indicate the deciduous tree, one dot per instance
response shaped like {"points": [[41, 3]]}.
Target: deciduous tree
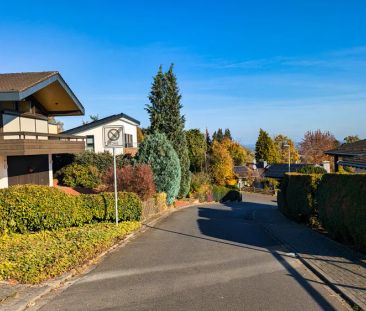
{"points": [[197, 148], [351, 139], [221, 164], [280, 142], [314, 144]]}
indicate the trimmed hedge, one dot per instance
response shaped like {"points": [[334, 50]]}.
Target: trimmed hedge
{"points": [[76, 175], [224, 194], [296, 197], [342, 207], [33, 208], [35, 257], [102, 206]]}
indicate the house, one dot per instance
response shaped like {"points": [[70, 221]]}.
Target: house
{"points": [[278, 171], [248, 174], [94, 133], [352, 155], [27, 140]]}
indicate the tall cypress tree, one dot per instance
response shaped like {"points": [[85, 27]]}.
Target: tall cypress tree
{"points": [[265, 148], [165, 117], [227, 134]]}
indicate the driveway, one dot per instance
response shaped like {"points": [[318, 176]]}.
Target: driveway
{"points": [[209, 257]]}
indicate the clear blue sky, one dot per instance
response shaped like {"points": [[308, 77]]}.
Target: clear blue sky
{"points": [[285, 66]]}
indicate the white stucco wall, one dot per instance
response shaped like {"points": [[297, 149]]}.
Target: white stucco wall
{"points": [[97, 132], [3, 172]]}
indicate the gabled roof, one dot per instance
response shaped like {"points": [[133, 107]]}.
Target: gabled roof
{"points": [[47, 87], [357, 148], [100, 122], [279, 170], [244, 171]]}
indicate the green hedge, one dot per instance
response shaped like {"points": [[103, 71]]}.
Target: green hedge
{"points": [[296, 197], [224, 194], [35, 257], [76, 175], [342, 207], [102, 206], [34, 208]]}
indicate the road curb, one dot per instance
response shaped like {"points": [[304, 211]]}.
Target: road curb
{"points": [[72, 276], [348, 297]]}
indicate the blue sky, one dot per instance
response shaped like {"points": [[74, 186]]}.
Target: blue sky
{"points": [[285, 66]]}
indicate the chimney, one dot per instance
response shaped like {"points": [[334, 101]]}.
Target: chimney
{"points": [[326, 166], [262, 164]]}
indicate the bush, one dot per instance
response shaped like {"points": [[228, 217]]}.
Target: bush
{"points": [[198, 180], [232, 195], [156, 151], [76, 175], [270, 184], [102, 160], [138, 179], [342, 207], [102, 207], [154, 205], [35, 257], [224, 194], [311, 169], [34, 208], [296, 198]]}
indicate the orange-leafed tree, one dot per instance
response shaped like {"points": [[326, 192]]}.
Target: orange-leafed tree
{"points": [[222, 165], [314, 144], [280, 142]]}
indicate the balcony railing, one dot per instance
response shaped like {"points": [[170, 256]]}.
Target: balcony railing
{"points": [[40, 136]]}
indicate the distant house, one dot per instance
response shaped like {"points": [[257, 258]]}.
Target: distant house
{"points": [[93, 132], [248, 174], [27, 139], [352, 155], [278, 171]]}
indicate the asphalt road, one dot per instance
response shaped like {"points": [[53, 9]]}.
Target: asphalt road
{"points": [[210, 257]]}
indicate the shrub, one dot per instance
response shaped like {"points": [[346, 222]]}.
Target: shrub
{"points": [[296, 198], [102, 207], [198, 180], [35, 257], [204, 193], [270, 183], [76, 175], [154, 205], [156, 151], [232, 195], [138, 179], [102, 160], [33, 208], [311, 169], [342, 207]]}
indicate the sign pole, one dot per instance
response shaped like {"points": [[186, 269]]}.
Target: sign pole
{"points": [[115, 184]]}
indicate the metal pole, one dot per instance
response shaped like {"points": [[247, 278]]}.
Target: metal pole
{"points": [[289, 159], [115, 184]]}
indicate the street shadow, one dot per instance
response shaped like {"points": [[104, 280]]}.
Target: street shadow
{"points": [[236, 223]]}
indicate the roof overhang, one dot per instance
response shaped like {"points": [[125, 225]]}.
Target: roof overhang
{"points": [[352, 164], [52, 93]]}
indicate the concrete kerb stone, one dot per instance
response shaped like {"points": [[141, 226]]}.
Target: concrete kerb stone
{"points": [[71, 277]]}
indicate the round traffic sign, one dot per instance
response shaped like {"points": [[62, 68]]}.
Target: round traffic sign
{"points": [[113, 134]]}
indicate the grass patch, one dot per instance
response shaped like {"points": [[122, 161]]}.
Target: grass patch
{"points": [[35, 257]]}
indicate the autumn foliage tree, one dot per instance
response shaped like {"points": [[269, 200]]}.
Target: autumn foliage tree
{"points": [[280, 142], [222, 164], [197, 147], [238, 153], [314, 144]]}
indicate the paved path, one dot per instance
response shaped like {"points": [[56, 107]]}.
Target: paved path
{"points": [[216, 257]]}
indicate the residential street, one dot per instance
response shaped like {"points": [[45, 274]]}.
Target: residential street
{"points": [[209, 257]]}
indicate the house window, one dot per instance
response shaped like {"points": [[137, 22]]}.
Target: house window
{"points": [[90, 142], [128, 141]]}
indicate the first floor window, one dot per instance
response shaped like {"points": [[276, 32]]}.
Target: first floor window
{"points": [[128, 140], [90, 142]]}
